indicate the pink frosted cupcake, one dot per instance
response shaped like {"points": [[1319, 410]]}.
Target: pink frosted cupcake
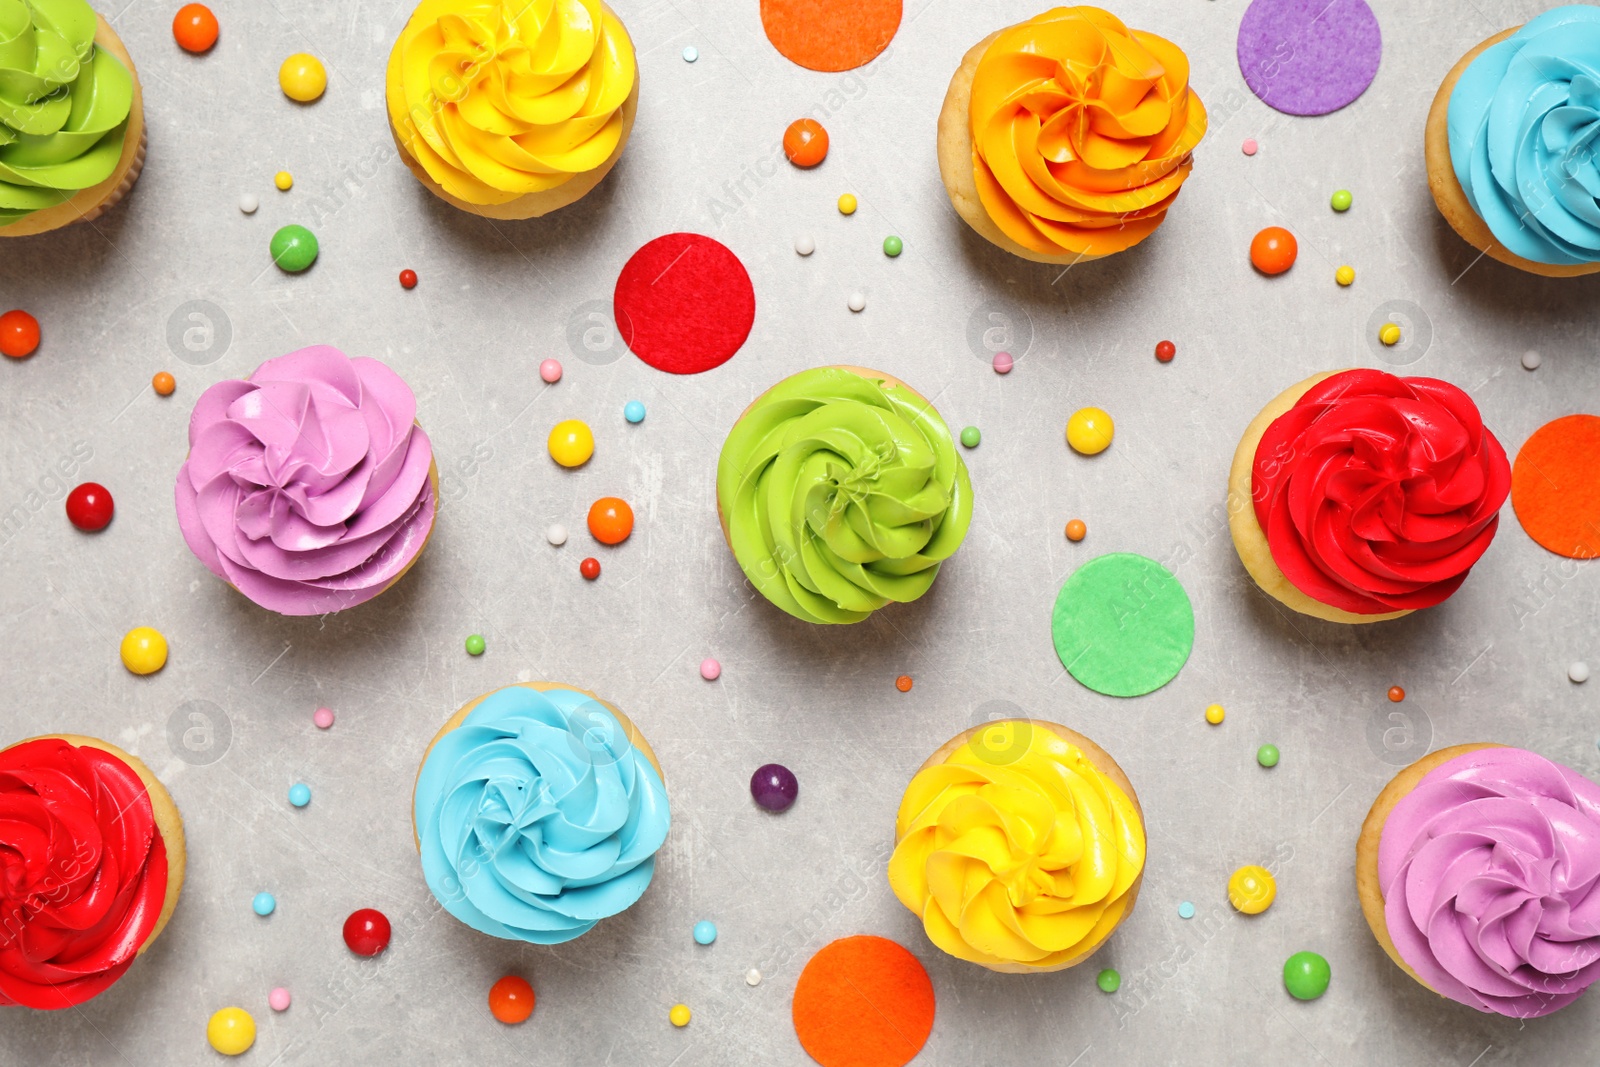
{"points": [[308, 487]]}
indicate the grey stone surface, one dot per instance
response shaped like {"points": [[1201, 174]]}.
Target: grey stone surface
{"points": [[496, 298]]}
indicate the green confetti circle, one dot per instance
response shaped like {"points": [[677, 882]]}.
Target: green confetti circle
{"points": [[1122, 625]]}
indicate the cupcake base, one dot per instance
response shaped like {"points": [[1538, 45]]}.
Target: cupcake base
{"points": [[1105, 765], [86, 205], [1367, 886], [1250, 540], [955, 162], [1452, 199]]}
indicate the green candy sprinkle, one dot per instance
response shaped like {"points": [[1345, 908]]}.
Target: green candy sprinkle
{"points": [[893, 246], [970, 437], [1342, 200], [1109, 980], [1306, 975], [294, 248], [1267, 755], [475, 645]]}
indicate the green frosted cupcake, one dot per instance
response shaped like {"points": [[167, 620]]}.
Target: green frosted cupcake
{"points": [[840, 490]]}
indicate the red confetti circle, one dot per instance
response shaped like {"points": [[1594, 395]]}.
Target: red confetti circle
{"points": [[684, 303]]}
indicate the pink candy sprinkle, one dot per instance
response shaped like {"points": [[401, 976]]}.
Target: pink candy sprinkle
{"points": [[323, 717], [550, 370], [1003, 363], [1249, 147], [278, 999], [710, 670]]}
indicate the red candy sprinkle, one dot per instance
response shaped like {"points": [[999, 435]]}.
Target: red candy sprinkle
{"points": [[590, 568], [19, 334], [367, 932], [195, 28], [89, 507], [1396, 694], [408, 279], [1165, 351], [511, 999]]}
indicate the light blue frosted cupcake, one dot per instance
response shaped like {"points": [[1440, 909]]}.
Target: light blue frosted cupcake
{"points": [[538, 810]]}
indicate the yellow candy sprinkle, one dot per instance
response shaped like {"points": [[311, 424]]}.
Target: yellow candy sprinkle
{"points": [[283, 180], [1345, 275], [1252, 889], [571, 443], [1214, 713], [1390, 333], [679, 1015], [231, 1031], [144, 651], [847, 204], [303, 77], [1089, 431]]}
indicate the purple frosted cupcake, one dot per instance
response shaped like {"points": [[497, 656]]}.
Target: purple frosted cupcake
{"points": [[308, 487]]}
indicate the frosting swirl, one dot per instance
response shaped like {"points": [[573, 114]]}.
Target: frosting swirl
{"points": [[1082, 131], [1016, 850], [308, 486], [537, 817], [840, 494], [1489, 870], [496, 99], [1523, 122], [1379, 493], [83, 872], [64, 105]]}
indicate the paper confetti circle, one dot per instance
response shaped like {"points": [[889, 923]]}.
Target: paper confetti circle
{"points": [[684, 303], [1123, 625], [1309, 57], [1555, 486]]}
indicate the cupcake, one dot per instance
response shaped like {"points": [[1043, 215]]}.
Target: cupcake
{"points": [[510, 109], [71, 116], [1066, 138], [1020, 845], [91, 864], [1477, 870], [308, 487], [538, 811], [1357, 496], [840, 491], [1510, 144]]}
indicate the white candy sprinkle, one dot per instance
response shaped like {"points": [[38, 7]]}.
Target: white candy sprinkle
{"points": [[1531, 359], [857, 302], [690, 53], [1578, 672], [804, 245], [248, 204], [752, 977], [557, 534]]}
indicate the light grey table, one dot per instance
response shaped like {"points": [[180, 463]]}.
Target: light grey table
{"points": [[495, 299]]}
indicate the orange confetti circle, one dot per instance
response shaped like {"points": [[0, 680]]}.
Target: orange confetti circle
{"points": [[1555, 486], [830, 35], [863, 1002]]}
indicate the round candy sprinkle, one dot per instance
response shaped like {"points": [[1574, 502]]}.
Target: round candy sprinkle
{"points": [[249, 203], [144, 650], [847, 204], [299, 794], [1267, 755], [511, 1000], [1089, 431], [302, 78], [710, 669], [1273, 250], [690, 53], [1578, 672], [571, 443], [294, 248], [752, 977], [893, 246], [264, 904], [1345, 276], [323, 717], [163, 383], [556, 535], [1108, 980], [475, 644], [1003, 362], [590, 569], [705, 932], [194, 27], [1186, 910], [283, 180], [774, 787], [1341, 200], [805, 245], [19, 334], [970, 436], [679, 1015], [858, 302], [550, 371], [1252, 889], [1076, 530], [1389, 334], [633, 411], [1250, 147], [904, 683], [610, 520], [805, 142], [1306, 975], [231, 1031], [1396, 694], [408, 279], [1215, 714], [1165, 350], [89, 507], [367, 932], [1531, 360], [278, 999]]}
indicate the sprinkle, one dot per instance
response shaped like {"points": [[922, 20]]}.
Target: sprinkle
{"points": [[858, 302], [1396, 694], [1076, 530], [556, 535], [408, 279], [752, 977], [1345, 276], [163, 383], [903, 683], [705, 932], [690, 53], [893, 246], [1578, 672], [249, 204], [633, 411], [278, 999], [710, 669], [1249, 147], [475, 644], [970, 436], [299, 794], [679, 1015], [805, 245], [1108, 980], [847, 204], [1186, 910], [264, 904], [323, 717], [1267, 755], [1389, 334], [1531, 360], [283, 180], [1165, 350], [1341, 200], [1214, 714], [1003, 363], [550, 371]]}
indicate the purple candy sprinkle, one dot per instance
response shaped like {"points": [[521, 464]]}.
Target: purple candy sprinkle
{"points": [[774, 787]]}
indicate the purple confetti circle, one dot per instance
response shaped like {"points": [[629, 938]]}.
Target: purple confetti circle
{"points": [[1309, 57]]}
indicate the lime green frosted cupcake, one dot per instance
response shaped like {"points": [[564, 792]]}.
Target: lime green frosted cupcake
{"points": [[840, 491], [72, 135]]}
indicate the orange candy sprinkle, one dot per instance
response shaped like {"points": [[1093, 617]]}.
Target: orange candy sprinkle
{"points": [[805, 142], [610, 520], [194, 28], [1274, 250], [1396, 694], [1076, 530], [163, 383], [511, 999], [19, 334], [903, 683]]}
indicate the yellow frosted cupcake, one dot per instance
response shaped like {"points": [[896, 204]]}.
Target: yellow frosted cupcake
{"points": [[1020, 844], [511, 109]]}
